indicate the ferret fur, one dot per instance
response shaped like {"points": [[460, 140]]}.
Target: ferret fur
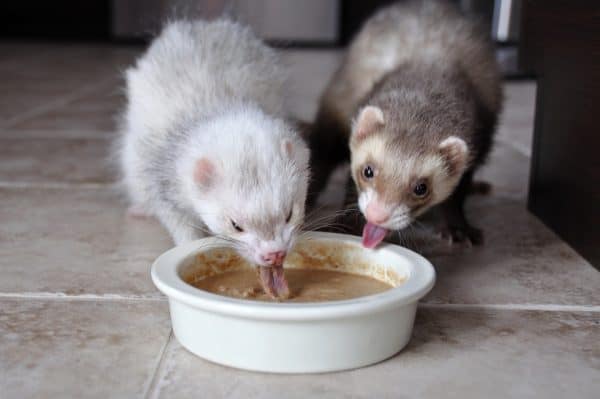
{"points": [[433, 74], [204, 142]]}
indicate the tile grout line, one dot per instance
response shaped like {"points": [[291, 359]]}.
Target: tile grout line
{"points": [[512, 306], [60, 296], [63, 100], [92, 135], [449, 306], [55, 185], [152, 384]]}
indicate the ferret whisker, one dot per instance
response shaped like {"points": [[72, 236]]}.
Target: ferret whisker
{"points": [[409, 238], [402, 240], [418, 224], [315, 209], [337, 226], [330, 216], [221, 237], [324, 221], [318, 226], [314, 225]]}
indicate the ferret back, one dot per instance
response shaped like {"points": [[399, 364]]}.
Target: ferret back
{"points": [[196, 69], [427, 32]]}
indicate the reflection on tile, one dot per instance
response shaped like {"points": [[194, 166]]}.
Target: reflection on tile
{"points": [[21, 95], [90, 115], [75, 241], [48, 161], [44, 78], [522, 261], [453, 354], [516, 122], [80, 349], [507, 170]]}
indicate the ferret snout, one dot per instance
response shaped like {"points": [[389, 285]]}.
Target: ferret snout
{"points": [[377, 213], [275, 258]]}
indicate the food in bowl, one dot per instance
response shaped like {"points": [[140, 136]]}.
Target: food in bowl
{"points": [[306, 285], [315, 274]]}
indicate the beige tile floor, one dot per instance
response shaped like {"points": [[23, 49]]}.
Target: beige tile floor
{"points": [[79, 316]]}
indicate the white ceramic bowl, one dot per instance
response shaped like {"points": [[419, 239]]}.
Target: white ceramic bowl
{"points": [[297, 337]]}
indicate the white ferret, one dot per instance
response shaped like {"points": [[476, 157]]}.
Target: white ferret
{"points": [[204, 146]]}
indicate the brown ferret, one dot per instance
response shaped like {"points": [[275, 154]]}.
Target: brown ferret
{"points": [[415, 102]]}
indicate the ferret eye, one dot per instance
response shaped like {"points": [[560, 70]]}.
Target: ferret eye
{"points": [[236, 226], [289, 216], [368, 172], [420, 189]]}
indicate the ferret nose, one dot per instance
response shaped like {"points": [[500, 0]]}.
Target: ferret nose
{"points": [[377, 214], [274, 258]]}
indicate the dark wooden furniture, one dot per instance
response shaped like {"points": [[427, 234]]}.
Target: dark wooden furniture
{"points": [[560, 44], [57, 19]]}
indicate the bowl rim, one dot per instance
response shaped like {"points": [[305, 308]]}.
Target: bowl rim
{"points": [[165, 276]]}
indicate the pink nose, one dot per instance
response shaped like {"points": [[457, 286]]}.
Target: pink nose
{"points": [[274, 258], [377, 214]]}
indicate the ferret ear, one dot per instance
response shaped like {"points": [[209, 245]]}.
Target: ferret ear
{"points": [[204, 173], [287, 148], [369, 120], [455, 153]]}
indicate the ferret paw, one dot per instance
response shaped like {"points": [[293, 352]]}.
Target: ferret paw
{"points": [[138, 211], [466, 235]]}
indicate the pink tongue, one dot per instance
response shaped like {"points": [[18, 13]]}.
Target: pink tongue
{"points": [[373, 235], [272, 279]]}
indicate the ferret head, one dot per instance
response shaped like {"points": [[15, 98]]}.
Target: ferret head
{"points": [[400, 176], [248, 184]]}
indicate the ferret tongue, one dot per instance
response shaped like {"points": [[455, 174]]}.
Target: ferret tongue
{"points": [[280, 283], [272, 279], [373, 235]]}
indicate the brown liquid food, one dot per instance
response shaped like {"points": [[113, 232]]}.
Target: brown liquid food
{"points": [[306, 285]]}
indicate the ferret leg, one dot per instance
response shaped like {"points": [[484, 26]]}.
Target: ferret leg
{"points": [[349, 220], [329, 148], [320, 170], [455, 226], [181, 230]]}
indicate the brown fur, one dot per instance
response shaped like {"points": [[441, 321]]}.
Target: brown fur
{"points": [[433, 74]]}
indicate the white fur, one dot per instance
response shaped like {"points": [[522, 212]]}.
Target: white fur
{"points": [[364, 198], [213, 90]]}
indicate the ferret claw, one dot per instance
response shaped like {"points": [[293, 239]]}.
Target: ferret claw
{"points": [[465, 235]]}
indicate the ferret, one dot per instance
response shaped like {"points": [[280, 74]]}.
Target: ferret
{"points": [[204, 145], [414, 106]]}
